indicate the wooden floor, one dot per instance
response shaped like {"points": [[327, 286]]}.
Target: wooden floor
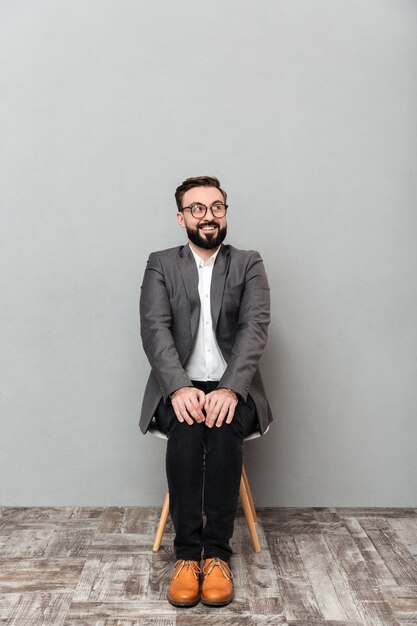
{"points": [[95, 566]]}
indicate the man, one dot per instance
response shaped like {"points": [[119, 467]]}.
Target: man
{"points": [[204, 316]]}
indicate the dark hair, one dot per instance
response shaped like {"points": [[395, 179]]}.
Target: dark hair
{"points": [[197, 181]]}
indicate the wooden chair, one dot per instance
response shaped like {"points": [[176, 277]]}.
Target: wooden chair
{"points": [[244, 492]]}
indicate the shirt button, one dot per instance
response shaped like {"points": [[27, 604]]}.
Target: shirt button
{"points": [[206, 294], [207, 323]]}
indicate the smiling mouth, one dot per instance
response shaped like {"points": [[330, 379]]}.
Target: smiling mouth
{"points": [[209, 229]]}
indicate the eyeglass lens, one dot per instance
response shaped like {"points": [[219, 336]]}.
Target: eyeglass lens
{"points": [[200, 210]]}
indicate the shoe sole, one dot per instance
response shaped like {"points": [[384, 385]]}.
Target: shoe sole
{"points": [[183, 605], [221, 603]]}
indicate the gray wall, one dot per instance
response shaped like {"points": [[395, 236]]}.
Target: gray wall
{"points": [[306, 110]]}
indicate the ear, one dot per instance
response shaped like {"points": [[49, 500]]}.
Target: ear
{"points": [[180, 219]]}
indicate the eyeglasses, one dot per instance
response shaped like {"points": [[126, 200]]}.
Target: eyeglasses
{"points": [[198, 210]]}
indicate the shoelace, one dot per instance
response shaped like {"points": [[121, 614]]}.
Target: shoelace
{"points": [[181, 563], [216, 562]]}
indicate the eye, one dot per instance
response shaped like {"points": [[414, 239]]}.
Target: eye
{"points": [[218, 209], [197, 209]]}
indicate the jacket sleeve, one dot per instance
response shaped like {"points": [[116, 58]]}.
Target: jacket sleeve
{"points": [[252, 331], [155, 328]]}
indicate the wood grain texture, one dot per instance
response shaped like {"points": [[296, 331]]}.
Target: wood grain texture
{"points": [[329, 584], [298, 596], [94, 566]]}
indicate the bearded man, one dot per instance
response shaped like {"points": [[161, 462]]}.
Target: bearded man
{"points": [[204, 311]]}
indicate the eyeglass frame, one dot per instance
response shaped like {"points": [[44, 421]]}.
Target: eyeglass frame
{"points": [[190, 208]]}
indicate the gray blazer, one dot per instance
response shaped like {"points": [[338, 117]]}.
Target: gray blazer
{"points": [[169, 314]]}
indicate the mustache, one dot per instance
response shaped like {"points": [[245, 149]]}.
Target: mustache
{"points": [[208, 224]]}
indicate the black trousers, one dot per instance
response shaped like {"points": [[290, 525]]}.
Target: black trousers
{"points": [[204, 466]]}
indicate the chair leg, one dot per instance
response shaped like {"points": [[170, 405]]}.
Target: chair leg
{"points": [[249, 516], [248, 509], [162, 523], [249, 492]]}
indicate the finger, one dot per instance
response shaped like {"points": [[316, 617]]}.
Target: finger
{"points": [[208, 407], [177, 412], [198, 402], [194, 409], [185, 407], [183, 412], [231, 413], [213, 412], [208, 401], [222, 414], [201, 396]]}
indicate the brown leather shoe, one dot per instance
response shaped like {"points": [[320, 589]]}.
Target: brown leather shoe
{"points": [[217, 587], [184, 589]]}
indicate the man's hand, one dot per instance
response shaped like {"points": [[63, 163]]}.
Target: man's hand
{"points": [[220, 404], [188, 403]]}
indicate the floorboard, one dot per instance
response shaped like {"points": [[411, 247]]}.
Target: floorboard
{"points": [[94, 566]]}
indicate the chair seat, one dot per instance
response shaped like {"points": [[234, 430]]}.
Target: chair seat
{"points": [[153, 430]]}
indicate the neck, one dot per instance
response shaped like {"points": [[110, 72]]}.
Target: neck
{"points": [[203, 253]]}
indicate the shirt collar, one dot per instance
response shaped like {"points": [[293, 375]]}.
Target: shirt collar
{"points": [[200, 262]]}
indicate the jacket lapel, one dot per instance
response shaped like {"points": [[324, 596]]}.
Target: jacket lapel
{"points": [[188, 269], [221, 265]]}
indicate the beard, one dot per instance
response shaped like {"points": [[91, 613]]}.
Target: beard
{"points": [[207, 241]]}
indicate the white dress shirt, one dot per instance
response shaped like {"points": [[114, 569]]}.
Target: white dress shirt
{"points": [[206, 361]]}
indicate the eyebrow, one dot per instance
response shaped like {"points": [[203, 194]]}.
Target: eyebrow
{"points": [[202, 204]]}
